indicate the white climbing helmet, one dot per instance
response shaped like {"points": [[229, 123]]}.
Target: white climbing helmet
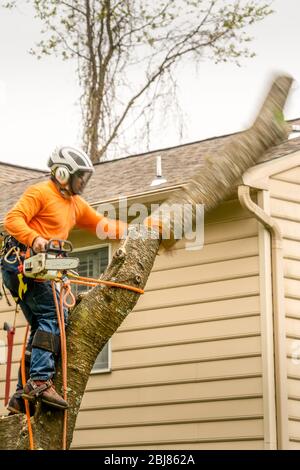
{"points": [[67, 165]]}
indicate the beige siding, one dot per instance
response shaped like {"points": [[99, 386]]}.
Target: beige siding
{"points": [[186, 363], [285, 207]]}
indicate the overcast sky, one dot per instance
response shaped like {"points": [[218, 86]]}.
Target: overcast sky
{"points": [[39, 99]]}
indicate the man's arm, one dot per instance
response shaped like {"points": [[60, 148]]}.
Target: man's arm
{"points": [[17, 219], [89, 219]]}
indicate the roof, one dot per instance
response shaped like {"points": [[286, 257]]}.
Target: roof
{"points": [[133, 174], [13, 173]]}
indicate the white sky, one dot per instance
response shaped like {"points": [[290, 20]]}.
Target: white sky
{"points": [[38, 109]]}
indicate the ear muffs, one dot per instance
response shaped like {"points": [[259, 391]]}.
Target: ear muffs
{"points": [[62, 175]]}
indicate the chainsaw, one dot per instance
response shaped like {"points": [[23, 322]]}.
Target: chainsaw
{"points": [[51, 263]]}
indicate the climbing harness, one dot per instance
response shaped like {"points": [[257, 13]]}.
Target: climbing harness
{"points": [[56, 267], [12, 255]]}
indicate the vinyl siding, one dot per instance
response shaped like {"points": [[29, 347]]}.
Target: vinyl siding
{"points": [[186, 363], [285, 207]]}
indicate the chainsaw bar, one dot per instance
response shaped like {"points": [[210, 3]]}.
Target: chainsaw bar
{"points": [[61, 264], [46, 265]]}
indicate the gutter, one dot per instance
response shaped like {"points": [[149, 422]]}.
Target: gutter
{"points": [[153, 193], [274, 337]]}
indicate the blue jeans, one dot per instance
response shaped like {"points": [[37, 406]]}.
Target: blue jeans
{"points": [[39, 310]]}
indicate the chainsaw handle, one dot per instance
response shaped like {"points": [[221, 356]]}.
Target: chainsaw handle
{"points": [[59, 246]]}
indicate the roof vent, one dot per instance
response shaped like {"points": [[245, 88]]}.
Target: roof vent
{"points": [[159, 179]]}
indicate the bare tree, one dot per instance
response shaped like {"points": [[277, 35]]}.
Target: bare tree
{"points": [[102, 311], [128, 52]]}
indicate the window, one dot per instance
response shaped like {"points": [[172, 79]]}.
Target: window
{"points": [[92, 264]]}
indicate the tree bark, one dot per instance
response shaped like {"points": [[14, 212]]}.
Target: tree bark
{"points": [[103, 309]]}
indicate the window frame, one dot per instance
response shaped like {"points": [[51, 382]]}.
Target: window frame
{"points": [[90, 248]]}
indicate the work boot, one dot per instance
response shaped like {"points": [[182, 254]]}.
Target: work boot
{"points": [[44, 390], [16, 404]]}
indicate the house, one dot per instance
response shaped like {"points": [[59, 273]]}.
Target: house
{"points": [[210, 356]]}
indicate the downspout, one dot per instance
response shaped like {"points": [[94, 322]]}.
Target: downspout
{"points": [[267, 327], [279, 336]]}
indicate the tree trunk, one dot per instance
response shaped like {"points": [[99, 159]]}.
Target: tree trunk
{"points": [[103, 309]]}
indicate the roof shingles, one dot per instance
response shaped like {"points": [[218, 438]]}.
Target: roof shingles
{"points": [[13, 174], [134, 174]]}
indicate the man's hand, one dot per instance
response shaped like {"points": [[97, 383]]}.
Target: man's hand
{"points": [[39, 244]]}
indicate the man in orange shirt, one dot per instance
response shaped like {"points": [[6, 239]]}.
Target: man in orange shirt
{"points": [[47, 210]]}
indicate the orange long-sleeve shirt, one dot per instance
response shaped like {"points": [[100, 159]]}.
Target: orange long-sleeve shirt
{"points": [[43, 211]]}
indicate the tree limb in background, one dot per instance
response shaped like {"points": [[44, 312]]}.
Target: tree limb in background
{"points": [[127, 49]]}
